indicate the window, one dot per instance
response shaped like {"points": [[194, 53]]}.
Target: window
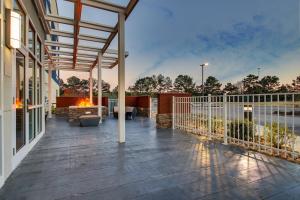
{"points": [[39, 49], [20, 100], [31, 39], [18, 9], [39, 98], [31, 75]]}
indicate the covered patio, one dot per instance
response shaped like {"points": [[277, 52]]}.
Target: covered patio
{"points": [[71, 162], [77, 44]]}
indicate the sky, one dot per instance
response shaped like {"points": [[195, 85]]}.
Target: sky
{"points": [[174, 37]]}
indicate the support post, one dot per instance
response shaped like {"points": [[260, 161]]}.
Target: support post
{"points": [[50, 92], [121, 77], [100, 87], [225, 118], [209, 116], [91, 86], [173, 112]]}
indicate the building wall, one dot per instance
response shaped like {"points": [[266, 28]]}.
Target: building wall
{"points": [[7, 84]]}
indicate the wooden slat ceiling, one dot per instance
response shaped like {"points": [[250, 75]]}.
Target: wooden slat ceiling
{"points": [[66, 56]]}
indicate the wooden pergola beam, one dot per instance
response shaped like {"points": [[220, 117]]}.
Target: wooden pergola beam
{"points": [[79, 54], [77, 18]]}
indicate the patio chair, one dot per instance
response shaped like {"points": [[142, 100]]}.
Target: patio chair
{"points": [[130, 112]]}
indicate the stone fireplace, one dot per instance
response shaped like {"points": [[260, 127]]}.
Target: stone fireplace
{"points": [[76, 111]]}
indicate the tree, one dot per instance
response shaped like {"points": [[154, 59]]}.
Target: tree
{"points": [[144, 85], [212, 86], [269, 84], [251, 84], [296, 84], [163, 84], [285, 88], [184, 83], [115, 90], [105, 87], [73, 82], [230, 89], [84, 85]]}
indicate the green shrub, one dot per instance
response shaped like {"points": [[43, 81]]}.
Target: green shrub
{"points": [[276, 135], [235, 129]]}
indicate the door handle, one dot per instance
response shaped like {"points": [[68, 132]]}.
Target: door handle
{"points": [[27, 105]]}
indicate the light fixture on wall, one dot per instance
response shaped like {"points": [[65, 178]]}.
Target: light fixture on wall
{"points": [[13, 29]]}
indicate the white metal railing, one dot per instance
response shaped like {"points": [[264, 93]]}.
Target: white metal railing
{"points": [[153, 108], [263, 122]]}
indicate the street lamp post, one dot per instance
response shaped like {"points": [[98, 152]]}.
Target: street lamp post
{"points": [[258, 71], [202, 66]]}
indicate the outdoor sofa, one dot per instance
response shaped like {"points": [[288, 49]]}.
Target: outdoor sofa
{"points": [[130, 112]]}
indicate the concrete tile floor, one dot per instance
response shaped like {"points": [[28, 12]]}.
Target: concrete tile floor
{"points": [[88, 163]]}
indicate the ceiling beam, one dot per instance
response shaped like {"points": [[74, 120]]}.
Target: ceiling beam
{"points": [[59, 58], [83, 24], [61, 33], [92, 38], [96, 26], [66, 53], [80, 36], [71, 69], [70, 46], [59, 19]]}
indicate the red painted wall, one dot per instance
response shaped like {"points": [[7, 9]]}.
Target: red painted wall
{"points": [[143, 101], [138, 101], [164, 102]]}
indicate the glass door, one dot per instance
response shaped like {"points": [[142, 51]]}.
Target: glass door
{"points": [[20, 103], [31, 98]]}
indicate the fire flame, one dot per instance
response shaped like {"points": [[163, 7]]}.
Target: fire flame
{"points": [[85, 103], [19, 103]]}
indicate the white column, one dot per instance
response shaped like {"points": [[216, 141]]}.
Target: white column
{"points": [[50, 91], [100, 87], [209, 116], [121, 78], [225, 118], [91, 86]]}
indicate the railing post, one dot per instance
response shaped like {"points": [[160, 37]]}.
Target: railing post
{"points": [[225, 118], [173, 112], [209, 116]]}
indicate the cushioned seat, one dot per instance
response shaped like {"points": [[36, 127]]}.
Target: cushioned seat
{"points": [[89, 120]]}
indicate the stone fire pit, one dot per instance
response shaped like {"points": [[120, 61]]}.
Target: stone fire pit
{"points": [[76, 111]]}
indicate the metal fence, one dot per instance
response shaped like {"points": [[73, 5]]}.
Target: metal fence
{"points": [[153, 108], [263, 122]]}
